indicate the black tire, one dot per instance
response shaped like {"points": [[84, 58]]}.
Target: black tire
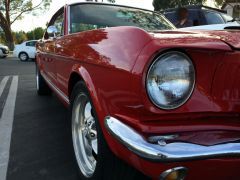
{"points": [[42, 87], [108, 166], [23, 57]]}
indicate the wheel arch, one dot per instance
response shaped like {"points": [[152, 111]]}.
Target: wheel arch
{"points": [[80, 73], [73, 80], [22, 52]]}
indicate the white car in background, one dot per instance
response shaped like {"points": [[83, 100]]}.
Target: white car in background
{"points": [[4, 51], [26, 50], [231, 25]]}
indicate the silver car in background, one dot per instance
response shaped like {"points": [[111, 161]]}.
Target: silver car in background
{"points": [[4, 51]]}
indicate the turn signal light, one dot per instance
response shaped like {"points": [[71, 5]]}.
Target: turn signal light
{"points": [[178, 173]]}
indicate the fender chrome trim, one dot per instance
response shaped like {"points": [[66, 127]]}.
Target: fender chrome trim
{"points": [[168, 152]]}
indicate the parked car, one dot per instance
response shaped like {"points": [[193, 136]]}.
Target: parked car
{"points": [[200, 15], [227, 26], [26, 50], [167, 102], [4, 51]]}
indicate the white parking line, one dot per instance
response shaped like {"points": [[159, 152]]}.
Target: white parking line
{"points": [[3, 84], [6, 122]]}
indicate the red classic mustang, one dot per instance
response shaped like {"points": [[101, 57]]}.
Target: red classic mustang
{"points": [[166, 102]]}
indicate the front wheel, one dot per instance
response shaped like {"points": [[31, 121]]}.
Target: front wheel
{"points": [[23, 56], [94, 159]]}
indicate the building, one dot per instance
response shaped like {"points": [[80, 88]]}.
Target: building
{"points": [[232, 7]]}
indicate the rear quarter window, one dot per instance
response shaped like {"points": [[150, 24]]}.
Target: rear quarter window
{"points": [[213, 18]]}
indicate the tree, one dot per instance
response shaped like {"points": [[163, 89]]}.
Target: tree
{"points": [[19, 37], [219, 2], [164, 4], [2, 38], [13, 10], [35, 34]]}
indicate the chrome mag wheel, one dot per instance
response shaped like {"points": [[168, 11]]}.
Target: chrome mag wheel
{"points": [[84, 135]]}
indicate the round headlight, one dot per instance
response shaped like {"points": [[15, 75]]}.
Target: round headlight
{"points": [[170, 80]]}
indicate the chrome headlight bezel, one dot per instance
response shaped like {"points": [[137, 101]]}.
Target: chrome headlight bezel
{"points": [[190, 90]]}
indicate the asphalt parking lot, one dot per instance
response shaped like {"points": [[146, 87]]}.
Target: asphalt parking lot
{"points": [[35, 142]]}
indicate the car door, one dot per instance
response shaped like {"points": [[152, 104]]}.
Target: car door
{"points": [[49, 56], [31, 49]]}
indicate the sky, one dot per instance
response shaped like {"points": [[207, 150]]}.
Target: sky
{"points": [[30, 22]]}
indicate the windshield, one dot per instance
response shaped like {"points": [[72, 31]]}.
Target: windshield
{"points": [[92, 16]]}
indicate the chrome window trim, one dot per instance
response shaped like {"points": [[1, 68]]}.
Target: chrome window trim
{"points": [[68, 18]]}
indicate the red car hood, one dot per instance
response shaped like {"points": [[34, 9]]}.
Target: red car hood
{"points": [[232, 38]]}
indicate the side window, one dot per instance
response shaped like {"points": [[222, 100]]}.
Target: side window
{"points": [[34, 43], [59, 24], [193, 16], [28, 44], [31, 43], [172, 17], [213, 18]]}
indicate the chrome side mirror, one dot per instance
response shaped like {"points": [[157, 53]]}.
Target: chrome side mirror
{"points": [[52, 32]]}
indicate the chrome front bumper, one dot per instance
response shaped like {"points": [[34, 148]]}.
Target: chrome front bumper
{"points": [[172, 152]]}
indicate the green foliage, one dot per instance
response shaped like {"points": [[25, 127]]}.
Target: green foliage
{"points": [[35, 34], [219, 2], [165, 4], [19, 37], [13, 10], [2, 38]]}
